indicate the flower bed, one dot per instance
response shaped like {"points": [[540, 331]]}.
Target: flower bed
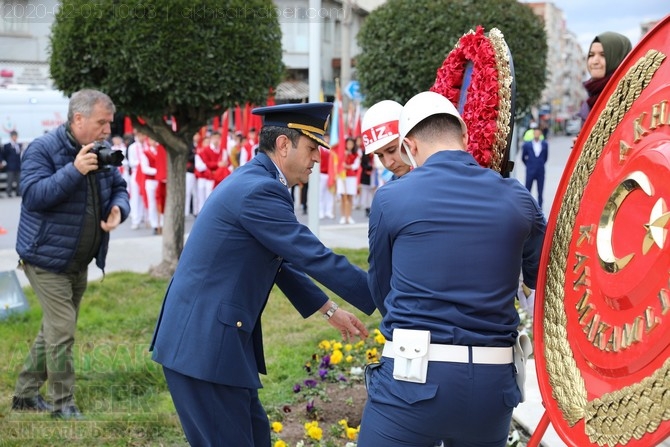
{"points": [[329, 401]]}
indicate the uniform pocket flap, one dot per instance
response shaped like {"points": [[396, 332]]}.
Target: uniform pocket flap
{"points": [[234, 316]]}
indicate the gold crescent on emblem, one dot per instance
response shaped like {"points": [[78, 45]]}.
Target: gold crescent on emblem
{"points": [[608, 260]]}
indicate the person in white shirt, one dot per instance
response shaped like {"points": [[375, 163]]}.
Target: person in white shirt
{"points": [[137, 209]]}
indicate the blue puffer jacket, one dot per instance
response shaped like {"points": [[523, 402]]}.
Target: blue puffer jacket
{"points": [[54, 202]]}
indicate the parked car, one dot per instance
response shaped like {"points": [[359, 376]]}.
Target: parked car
{"points": [[573, 126]]}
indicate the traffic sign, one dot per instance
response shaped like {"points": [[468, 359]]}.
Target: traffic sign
{"points": [[353, 91]]}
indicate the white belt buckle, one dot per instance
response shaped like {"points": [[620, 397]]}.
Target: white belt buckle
{"points": [[410, 349]]}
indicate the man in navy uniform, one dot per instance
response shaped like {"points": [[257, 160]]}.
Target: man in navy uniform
{"points": [[447, 243], [534, 156], [246, 239]]}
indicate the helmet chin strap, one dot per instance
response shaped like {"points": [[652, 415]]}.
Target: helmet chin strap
{"points": [[407, 156]]}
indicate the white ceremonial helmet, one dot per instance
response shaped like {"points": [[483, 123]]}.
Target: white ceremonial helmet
{"points": [[380, 125], [417, 109]]}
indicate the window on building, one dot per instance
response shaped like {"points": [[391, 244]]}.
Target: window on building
{"points": [[295, 34]]}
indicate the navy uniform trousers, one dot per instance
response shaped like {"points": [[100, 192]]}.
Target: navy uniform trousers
{"points": [[213, 405], [474, 400]]}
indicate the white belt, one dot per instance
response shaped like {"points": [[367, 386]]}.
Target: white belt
{"points": [[460, 354]]}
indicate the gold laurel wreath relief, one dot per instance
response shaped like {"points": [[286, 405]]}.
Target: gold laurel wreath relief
{"points": [[634, 410], [504, 96]]}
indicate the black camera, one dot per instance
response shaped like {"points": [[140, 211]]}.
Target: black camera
{"points": [[107, 158]]}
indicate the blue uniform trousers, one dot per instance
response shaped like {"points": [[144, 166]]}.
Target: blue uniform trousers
{"points": [[536, 176], [218, 415], [463, 404]]}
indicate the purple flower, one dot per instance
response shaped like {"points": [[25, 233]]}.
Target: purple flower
{"points": [[325, 361], [310, 383], [296, 388], [342, 378], [323, 373], [310, 406]]}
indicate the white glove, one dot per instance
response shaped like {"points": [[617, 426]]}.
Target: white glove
{"points": [[526, 298]]}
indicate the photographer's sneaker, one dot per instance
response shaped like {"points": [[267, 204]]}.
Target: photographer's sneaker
{"points": [[36, 403], [67, 413]]}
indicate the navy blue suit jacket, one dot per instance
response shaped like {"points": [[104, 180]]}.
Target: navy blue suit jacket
{"points": [[534, 164], [245, 240], [11, 157], [447, 243]]}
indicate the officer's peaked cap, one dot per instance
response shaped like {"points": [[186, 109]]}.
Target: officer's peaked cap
{"points": [[311, 119]]}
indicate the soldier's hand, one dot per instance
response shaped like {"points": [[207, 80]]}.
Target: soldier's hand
{"points": [[348, 325], [113, 220], [86, 161]]}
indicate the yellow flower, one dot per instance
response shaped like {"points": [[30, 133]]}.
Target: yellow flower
{"points": [[350, 358], [336, 357], [280, 443], [325, 345], [337, 346], [379, 338], [348, 347], [352, 433], [313, 430], [359, 344], [343, 423], [371, 355], [277, 427]]}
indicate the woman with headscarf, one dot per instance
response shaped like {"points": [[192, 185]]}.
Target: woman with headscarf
{"points": [[606, 53]]}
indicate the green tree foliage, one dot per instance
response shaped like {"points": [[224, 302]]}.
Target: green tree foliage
{"points": [[404, 42], [187, 59]]}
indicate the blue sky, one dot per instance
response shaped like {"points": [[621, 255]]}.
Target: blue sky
{"points": [[588, 18]]}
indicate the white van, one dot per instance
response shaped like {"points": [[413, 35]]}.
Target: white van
{"points": [[30, 112]]}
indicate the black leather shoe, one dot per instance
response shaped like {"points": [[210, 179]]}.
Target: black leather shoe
{"points": [[36, 403], [69, 412]]}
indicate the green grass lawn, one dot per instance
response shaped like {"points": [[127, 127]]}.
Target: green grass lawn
{"points": [[119, 389]]}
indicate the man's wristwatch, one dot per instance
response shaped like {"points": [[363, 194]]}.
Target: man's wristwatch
{"points": [[331, 311]]}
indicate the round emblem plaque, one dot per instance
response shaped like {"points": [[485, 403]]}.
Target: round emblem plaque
{"points": [[602, 316]]}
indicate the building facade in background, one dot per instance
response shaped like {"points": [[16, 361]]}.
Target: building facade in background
{"points": [[25, 27], [565, 72]]}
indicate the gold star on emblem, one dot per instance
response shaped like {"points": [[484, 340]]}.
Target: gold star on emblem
{"points": [[656, 228]]}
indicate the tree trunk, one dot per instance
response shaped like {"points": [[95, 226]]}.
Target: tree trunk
{"points": [[173, 226], [173, 216]]}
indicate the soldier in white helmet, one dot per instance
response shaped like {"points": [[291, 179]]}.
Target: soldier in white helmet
{"points": [[447, 245], [380, 136]]}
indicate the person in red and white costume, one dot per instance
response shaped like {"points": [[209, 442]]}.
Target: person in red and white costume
{"points": [[249, 148], [348, 187], [206, 162], [154, 168]]}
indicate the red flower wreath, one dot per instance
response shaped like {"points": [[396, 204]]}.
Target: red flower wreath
{"points": [[481, 109]]}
